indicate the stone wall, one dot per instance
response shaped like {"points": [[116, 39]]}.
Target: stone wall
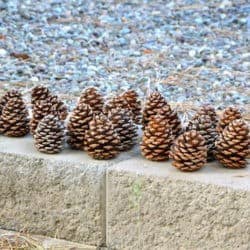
{"points": [[126, 203]]}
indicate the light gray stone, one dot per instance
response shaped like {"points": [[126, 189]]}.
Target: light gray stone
{"points": [[3, 53], [53, 198], [153, 206], [60, 195], [125, 203]]}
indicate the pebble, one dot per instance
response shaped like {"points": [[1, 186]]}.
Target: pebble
{"points": [[3, 53], [184, 52]]}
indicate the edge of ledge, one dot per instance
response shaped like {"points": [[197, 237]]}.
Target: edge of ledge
{"points": [[213, 173]]}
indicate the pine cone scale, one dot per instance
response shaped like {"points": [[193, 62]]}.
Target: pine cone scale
{"points": [[101, 141], [14, 119], [157, 138], [189, 152], [49, 135], [232, 147]]}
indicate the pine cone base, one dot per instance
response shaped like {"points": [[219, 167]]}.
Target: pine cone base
{"points": [[232, 147], [101, 141], [49, 135], [189, 152], [124, 127], [78, 125], [14, 120], [157, 139]]}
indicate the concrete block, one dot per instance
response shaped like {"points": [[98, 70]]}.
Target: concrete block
{"points": [[154, 206], [61, 196]]}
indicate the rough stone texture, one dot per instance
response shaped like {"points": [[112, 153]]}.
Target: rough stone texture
{"points": [[60, 195], [152, 206], [125, 203], [47, 243], [52, 198]]}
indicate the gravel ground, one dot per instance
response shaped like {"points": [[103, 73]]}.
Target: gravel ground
{"points": [[193, 51]]}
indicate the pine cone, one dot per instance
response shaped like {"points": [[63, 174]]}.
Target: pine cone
{"points": [[157, 139], [14, 120], [116, 102], [189, 151], [205, 126], [49, 135], [134, 104], [172, 118], [210, 111], [58, 107], [228, 116], [39, 93], [78, 125], [153, 103], [40, 110], [101, 140], [232, 147], [93, 98], [124, 127], [9, 95]]}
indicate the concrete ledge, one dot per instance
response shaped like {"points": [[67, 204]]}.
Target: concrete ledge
{"points": [[125, 203], [52, 198], [153, 206], [63, 197]]}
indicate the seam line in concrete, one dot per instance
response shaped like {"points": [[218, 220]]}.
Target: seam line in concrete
{"points": [[104, 210]]}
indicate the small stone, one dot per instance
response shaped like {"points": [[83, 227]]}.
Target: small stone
{"points": [[123, 41], [3, 53], [192, 53], [34, 79]]}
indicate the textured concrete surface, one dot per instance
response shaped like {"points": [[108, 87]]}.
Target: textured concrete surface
{"points": [[152, 206], [125, 203], [58, 199], [61, 195], [45, 243]]}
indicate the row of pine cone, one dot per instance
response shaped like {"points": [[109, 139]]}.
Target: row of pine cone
{"points": [[105, 128]]}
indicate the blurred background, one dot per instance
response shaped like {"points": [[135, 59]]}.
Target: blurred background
{"points": [[194, 52]]}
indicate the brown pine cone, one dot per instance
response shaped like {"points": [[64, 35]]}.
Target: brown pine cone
{"points": [[189, 151], [116, 102], [134, 103], [101, 140], [124, 127], [14, 120], [232, 147], [93, 98], [153, 103], [78, 125], [229, 114], [205, 126], [10, 94], [157, 139], [40, 110], [39, 93], [58, 107], [210, 111], [172, 117], [49, 135]]}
